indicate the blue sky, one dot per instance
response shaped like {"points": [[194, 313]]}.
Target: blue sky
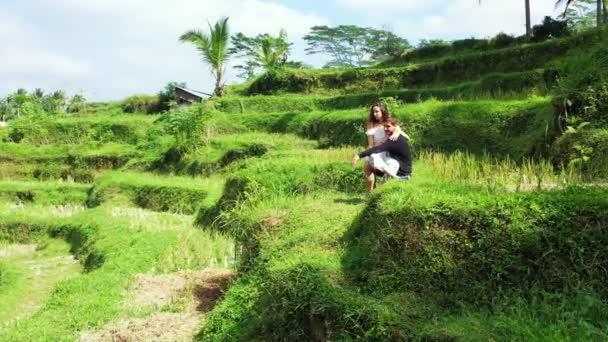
{"points": [[110, 49]]}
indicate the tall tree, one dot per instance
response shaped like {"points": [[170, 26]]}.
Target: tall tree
{"points": [[213, 49], [55, 102], [274, 51], [346, 44], [77, 104], [385, 43], [528, 20], [353, 46], [261, 52]]}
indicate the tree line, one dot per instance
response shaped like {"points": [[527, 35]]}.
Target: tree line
{"points": [[24, 103], [346, 45]]}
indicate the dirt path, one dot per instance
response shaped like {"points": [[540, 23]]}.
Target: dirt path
{"points": [[195, 293], [37, 271]]}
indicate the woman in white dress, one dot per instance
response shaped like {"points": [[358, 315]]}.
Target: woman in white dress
{"points": [[378, 163]]}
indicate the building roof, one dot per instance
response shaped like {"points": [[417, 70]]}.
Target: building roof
{"points": [[194, 92]]}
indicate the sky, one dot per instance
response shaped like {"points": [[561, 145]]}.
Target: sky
{"points": [[111, 49]]}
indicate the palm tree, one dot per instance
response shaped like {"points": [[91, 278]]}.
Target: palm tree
{"points": [[528, 19], [213, 49], [601, 8], [273, 51]]}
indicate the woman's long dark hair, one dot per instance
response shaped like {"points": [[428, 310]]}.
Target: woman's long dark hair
{"points": [[383, 109]]}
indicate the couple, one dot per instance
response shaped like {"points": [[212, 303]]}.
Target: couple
{"points": [[388, 153]]}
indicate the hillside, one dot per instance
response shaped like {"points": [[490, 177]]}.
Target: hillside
{"points": [[241, 219]]}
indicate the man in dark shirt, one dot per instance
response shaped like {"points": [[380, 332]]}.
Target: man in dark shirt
{"points": [[398, 163]]}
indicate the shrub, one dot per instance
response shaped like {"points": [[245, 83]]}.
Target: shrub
{"points": [[582, 89], [429, 49], [469, 44], [550, 28], [142, 104], [585, 151], [502, 40]]}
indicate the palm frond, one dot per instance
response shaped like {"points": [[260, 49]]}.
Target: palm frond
{"points": [[213, 47], [559, 3], [219, 42]]}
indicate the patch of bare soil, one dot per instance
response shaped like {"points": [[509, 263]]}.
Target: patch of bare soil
{"points": [[205, 288], [158, 290], [17, 250], [162, 326], [208, 288]]}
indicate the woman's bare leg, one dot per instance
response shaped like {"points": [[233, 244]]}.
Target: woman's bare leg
{"points": [[370, 177]]}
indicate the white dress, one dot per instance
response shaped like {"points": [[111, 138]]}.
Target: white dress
{"points": [[381, 161]]}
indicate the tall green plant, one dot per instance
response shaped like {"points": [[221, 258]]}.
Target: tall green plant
{"points": [[213, 49]]}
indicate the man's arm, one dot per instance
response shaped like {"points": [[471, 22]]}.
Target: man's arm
{"points": [[384, 147]]}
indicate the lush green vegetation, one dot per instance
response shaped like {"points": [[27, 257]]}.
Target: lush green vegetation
{"points": [[516, 85], [499, 234], [447, 70]]}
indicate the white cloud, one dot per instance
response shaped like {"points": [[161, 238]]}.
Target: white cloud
{"points": [[174, 17], [31, 60], [24, 62], [126, 47], [382, 7], [11, 26], [453, 19]]}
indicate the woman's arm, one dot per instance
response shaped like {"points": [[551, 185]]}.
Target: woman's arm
{"points": [[370, 137], [370, 141]]}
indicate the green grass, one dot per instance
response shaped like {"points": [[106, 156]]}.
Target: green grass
{"points": [[223, 153], [62, 161], [298, 261], [516, 128], [128, 129], [502, 174], [116, 251], [44, 193], [304, 248], [474, 245], [159, 193], [579, 316], [33, 274]]}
